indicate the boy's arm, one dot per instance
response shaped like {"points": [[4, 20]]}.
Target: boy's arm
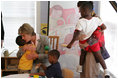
{"points": [[75, 37], [41, 65]]}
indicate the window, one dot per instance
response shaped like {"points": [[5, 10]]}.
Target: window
{"points": [[15, 13], [109, 17]]}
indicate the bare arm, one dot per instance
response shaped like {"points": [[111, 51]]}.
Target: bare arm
{"points": [[75, 37]]}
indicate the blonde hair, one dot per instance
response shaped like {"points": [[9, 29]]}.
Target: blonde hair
{"points": [[26, 29]]}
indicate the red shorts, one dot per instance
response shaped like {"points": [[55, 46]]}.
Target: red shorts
{"points": [[95, 47]]}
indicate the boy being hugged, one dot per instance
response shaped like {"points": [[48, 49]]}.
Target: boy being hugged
{"points": [[25, 65]]}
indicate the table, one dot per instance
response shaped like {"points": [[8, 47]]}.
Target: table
{"points": [[9, 64], [26, 75], [17, 76]]}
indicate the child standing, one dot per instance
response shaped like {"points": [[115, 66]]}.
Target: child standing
{"points": [[25, 65], [89, 25], [54, 70]]}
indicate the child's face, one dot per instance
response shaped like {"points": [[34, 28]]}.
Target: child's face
{"points": [[85, 12], [51, 59]]}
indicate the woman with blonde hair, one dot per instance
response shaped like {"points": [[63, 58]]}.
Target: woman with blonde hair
{"points": [[40, 42]]}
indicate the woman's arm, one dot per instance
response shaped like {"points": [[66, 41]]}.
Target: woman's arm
{"points": [[20, 53], [40, 49]]}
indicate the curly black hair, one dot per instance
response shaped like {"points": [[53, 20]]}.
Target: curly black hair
{"points": [[20, 41], [55, 53], [86, 4]]}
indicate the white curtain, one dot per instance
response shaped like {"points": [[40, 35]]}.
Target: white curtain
{"points": [[15, 13]]}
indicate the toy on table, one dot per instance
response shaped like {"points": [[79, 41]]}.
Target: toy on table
{"points": [[64, 45], [37, 76], [46, 49]]}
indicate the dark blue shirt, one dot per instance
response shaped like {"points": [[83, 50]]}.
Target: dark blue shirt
{"points": [[54, 71]]}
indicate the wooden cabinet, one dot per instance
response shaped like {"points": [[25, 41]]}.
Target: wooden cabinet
{"points": [[9, 65]]}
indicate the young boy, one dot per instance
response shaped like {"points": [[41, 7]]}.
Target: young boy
{"points": [[89, 26], [25, 65], [54, 70]]}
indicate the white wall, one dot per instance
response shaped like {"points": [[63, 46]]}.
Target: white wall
{"points": [[41, 14], [38, 21], [109, 17]]}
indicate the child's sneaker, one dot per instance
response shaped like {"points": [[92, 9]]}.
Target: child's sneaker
{"points": [[79, 69], [106, 73]]}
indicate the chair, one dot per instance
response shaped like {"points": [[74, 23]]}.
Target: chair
{"points": [[1, 72], [54, 42], [67, 73]]}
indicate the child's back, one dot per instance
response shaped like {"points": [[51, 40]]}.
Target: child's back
{"points": [[24, 63], [87, 27], [55, 70]]}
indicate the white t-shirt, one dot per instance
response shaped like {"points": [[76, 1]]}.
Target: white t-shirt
{"points": [[87, 27]]}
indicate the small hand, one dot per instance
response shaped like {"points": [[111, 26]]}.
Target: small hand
{"points": [[29, 56], [81, 37], [35, 55], [25, 47], [82, 46], [69, 46]]}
